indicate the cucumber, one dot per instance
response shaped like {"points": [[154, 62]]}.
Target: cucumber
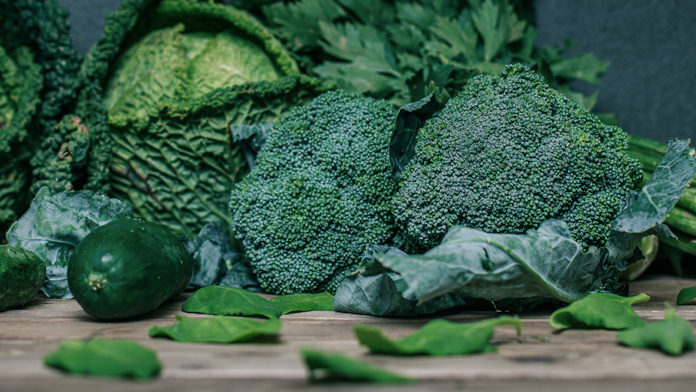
{"points": [[22, 273], [127, 268]]}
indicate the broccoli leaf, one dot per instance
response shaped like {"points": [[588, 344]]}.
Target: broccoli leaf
{"points": [[101, 357], [409, 119], [216, 329], [294, 303], [55, 224], [686, 294], [229, 301], [584, 66], [438, 337], [232, 301], [338, 367], [382, 294], [599, 310], [673, 335]]}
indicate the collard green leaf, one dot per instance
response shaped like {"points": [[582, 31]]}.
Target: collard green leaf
{"points": [[55, 224], [216, 329], [229, 301], [438, 337], [101, 357], [686, 294], [232, 301], [673, 335], [293, 303], [600, 310], [324, 366]]}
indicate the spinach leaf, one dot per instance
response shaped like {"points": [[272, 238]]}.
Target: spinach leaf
{"points": [[232, 301], [542, 263], [326, 366], [216, 329], [102, 357], [438, 337], [673, 335], [685, 295], [293, 303], [600, 310], [229, 301], [55, 224]]}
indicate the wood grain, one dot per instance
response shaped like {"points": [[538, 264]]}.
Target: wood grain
{"points": [[542, 360]]}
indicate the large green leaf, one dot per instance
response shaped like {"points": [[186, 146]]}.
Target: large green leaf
{"points": [[101, 357], [55, 224], [229, 301], [600, 310], [294, 303], [673, 335], [232, 301], [438, 337], [324, 366], [216, 329]]}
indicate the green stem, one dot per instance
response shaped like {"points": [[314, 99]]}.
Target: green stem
{"points": [[684, 244], [682, 220]]}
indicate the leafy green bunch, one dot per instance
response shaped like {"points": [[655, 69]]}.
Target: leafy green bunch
{"points": [[37, 81], [400, 50]]}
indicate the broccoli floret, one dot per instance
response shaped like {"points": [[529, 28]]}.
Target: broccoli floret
{"points": [[508, 153], [319, 194]]}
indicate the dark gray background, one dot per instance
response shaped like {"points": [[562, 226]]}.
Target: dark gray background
{"points": [[650, 85]]}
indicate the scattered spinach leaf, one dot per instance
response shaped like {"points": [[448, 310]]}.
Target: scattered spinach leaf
{"points": [[600, 310], [55, 224], [673, 335], [293, 303], [216, 329], [338, 367], [233, 301], [102, 357], [686, 295], [438, 337], [229, 301]]}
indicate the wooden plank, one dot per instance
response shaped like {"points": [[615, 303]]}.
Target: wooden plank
{"points": [[542, 358]]}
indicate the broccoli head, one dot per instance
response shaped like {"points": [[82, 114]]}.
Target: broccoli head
{"points": [[508, 153], [319, 194]]}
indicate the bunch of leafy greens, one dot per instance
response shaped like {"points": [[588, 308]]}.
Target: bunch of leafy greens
{"points": [[161, 93], [37, 70], [55, 224], [491, 250], [398, 49]]}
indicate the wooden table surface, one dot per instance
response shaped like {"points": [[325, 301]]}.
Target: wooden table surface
{"points": [[574, 360]]}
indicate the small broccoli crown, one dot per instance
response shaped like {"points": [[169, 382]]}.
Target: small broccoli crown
{"points": [[508, 153], [319, 194]]}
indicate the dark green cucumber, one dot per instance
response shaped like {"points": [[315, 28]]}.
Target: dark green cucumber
{"points": [[22, 273], [127, 268]]}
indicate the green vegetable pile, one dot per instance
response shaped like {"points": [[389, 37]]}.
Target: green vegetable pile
{"points": [[38, 66]]}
